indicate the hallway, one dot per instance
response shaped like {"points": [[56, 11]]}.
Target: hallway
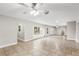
{"points": [[48, 46]]}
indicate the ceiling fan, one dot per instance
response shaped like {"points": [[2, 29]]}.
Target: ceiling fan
{"points": [[35, 10], [31, 5]]}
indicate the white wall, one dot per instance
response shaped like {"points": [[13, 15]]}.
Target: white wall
{"points": [[42, 30], [77, 32], [8, 31], [26, 30], [60, 29], [29, 30], [51, 30], [71, 30]]}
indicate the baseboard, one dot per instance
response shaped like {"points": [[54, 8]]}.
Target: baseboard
{"points": [[21, 40], [27, 40], [24, 40], [70, 39], [8, 45], [77, 41]]}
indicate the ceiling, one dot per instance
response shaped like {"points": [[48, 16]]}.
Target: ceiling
{"points": [[60, 13]]}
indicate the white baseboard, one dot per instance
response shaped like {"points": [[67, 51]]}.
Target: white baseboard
{"points": [[77, 41], [8, 45], [28, 40], [21, 39]]}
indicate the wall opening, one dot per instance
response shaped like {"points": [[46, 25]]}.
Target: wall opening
{"points": [[20, 32]]}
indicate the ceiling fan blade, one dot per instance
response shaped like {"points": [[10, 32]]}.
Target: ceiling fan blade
{"points": [[23, 4], [26, 5]]}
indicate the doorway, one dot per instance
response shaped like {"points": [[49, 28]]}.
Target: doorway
{"points": [[20, 32]]}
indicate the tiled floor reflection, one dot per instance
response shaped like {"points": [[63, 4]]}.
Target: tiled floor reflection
{"points": [[49, 46]]}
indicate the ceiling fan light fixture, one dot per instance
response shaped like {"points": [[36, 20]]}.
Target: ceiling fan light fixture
{"points": [[37, 12], [34, 12], [35, 8], [46, 12]]}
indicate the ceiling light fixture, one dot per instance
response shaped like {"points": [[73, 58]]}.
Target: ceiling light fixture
{"points": [[32, 12], [46, 12], [37, 13], [35, 10]]}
